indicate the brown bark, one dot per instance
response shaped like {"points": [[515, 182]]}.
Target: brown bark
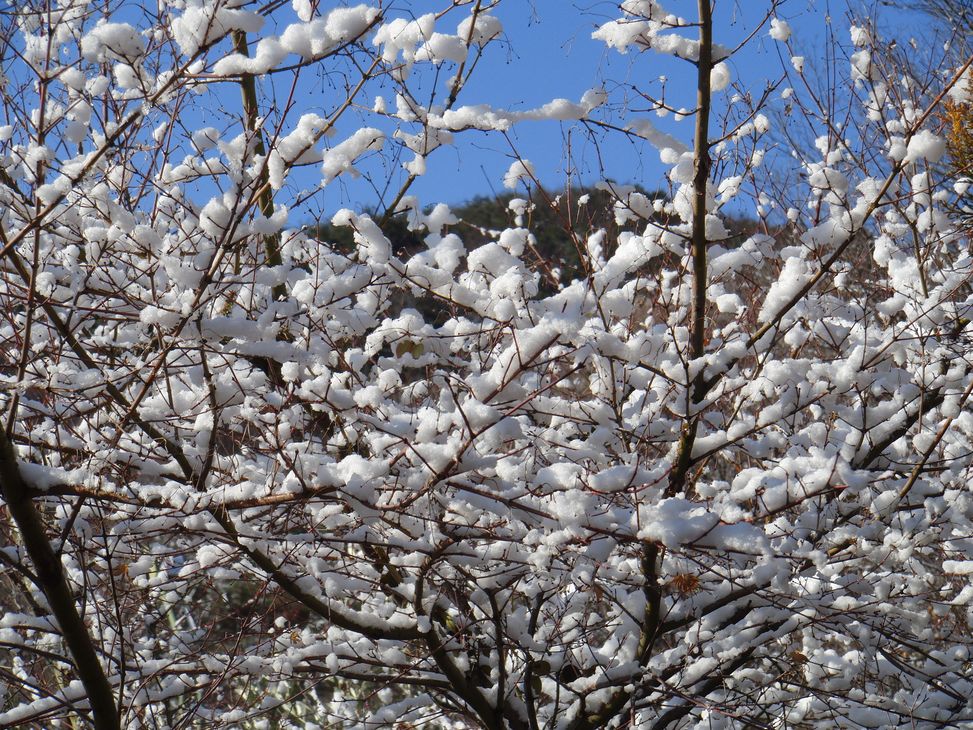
{"points": [[50, 579]]}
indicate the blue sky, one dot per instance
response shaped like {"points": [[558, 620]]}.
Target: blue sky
{"points": [[548, 52]]}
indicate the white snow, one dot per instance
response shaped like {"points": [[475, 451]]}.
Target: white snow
{"points": [[780, 30], [519, 170], [486, 28], [341, 158], [719, 77], [925, 145], [112, 41], [442, 47]]}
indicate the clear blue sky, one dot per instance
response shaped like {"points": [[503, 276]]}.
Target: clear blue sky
{"points": [[548, 52]]}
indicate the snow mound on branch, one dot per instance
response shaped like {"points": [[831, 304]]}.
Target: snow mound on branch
{"points": [[112, 41], [202, 23], [442, 47], [519, 170], [341, 158], [962, 90], [646, 24], [400, 37], [677, 521], [780, 30], [487, 28], [720, 77], [925, 145], [486, 118]]}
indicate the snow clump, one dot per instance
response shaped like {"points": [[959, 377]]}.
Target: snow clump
{"points": [[780, 30], [519, 170], [112, 41]]}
